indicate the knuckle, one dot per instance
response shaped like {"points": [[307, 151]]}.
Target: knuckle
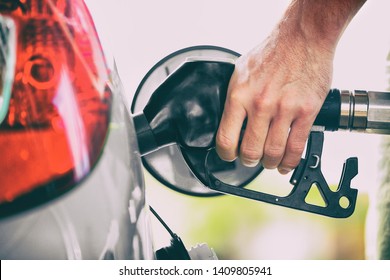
{"points": [[290, 161], [249, 154], [307, 108], [225, 148], [295, 150], [286, 104], [274, 151], [235, 95], [224, 142], [272, 156], [261, 104]]}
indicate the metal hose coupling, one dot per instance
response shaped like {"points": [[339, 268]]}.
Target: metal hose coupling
{"points": [[365, 111]]}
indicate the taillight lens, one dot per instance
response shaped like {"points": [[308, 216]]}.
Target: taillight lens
{"points": [[58, 113]]}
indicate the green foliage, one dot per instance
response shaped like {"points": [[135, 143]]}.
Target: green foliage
{"points": [[233, 226], [384, 196]]}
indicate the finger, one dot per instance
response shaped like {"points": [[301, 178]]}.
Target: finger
{"points": [[252, 145], [229, 130], [275, 143], [295, 146]]}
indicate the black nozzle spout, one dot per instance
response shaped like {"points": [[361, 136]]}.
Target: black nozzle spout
{"points": [[186, 108], [145, 136]]}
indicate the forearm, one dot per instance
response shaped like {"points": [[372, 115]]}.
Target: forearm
{"points": [[319, 22]]}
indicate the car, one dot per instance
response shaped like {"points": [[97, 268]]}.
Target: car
{"points": [[71, 185], [71, 181]]}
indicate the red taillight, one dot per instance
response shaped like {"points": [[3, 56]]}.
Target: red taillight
{"points": [[58, 113]]}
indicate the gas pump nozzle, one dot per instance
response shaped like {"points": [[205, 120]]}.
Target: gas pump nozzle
{"points": [[186, 109]]}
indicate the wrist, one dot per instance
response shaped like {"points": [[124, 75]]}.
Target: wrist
{"points": [[319, 24]]}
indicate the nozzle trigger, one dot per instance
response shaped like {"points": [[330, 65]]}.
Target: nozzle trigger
{"points": [[339, 203]]}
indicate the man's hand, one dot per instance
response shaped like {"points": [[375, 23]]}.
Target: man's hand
{"points": [[280, 86]]}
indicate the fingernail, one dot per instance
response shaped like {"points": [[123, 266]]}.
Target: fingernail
{"points": [[250, 163], [284, 171], [227, 160]]}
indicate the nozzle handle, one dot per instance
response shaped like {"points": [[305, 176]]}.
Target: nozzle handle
{"points": [[329, 115]]}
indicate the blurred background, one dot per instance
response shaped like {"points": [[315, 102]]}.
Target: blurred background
{"points": [[140, 33]]}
